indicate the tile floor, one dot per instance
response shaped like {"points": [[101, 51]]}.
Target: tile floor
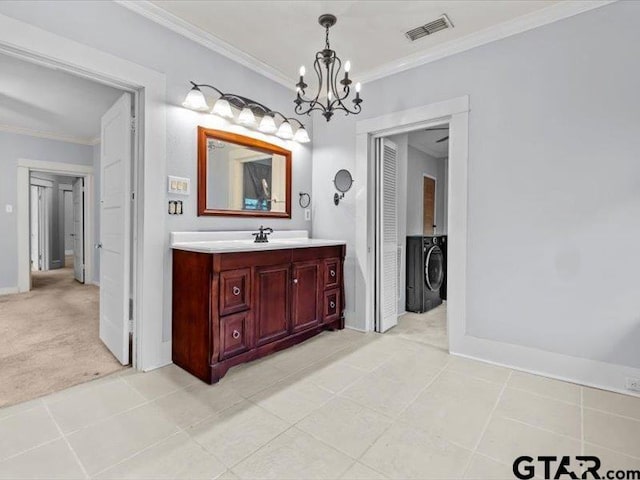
{"points": [[343, 405]]}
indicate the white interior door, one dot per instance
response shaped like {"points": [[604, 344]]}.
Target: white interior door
{"points": [[387, 215], [115, 174], [78, 229]]}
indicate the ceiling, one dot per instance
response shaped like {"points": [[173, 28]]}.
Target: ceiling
{"points": [[46, 102], [427, 141], [285, 34]]}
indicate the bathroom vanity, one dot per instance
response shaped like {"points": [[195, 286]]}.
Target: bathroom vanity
{"points": [[235, 300]]}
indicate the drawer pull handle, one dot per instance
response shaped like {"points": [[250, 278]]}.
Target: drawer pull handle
{"points": [[236, 334], [332, 304], [236, 291], [333, 273]]}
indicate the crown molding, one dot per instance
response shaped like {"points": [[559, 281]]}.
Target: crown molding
{"points": [[48, 135], [545, 16], [539, 18], [204, 38]]}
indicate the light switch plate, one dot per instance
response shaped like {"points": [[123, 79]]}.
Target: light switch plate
{"points": [[9, 208], [307, 214], [179, 185]]}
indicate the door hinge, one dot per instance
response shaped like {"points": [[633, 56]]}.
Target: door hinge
{"points": [[133, 195], [133, 124]]}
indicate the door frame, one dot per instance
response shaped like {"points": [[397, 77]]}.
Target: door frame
{"points": [[454, 112], [23, 40], [64, 187], [23, 185]]}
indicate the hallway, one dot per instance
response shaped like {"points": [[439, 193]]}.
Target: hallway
{"points": [[49, 338]]}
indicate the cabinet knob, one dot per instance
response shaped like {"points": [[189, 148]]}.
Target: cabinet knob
{"points": [[332, 273], [236, 291], [332, 304], [236, 334]]}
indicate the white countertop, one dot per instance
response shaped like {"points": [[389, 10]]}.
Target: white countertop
{"points": [[227, 242]]}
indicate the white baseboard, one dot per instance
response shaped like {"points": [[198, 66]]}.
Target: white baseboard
{"points": [[591, 373], [93, 282], [8, 290], [349, 327]]}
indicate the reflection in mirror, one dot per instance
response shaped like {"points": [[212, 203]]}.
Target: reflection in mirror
{"points": [[241, 178]]}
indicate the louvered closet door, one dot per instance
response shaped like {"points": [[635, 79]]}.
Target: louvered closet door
{"points": [[386, 161]]}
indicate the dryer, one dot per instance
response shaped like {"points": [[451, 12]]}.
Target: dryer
{"points": [[425, 272]]}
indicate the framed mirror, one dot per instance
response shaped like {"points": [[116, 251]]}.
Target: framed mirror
{"points": [[242, 176]]}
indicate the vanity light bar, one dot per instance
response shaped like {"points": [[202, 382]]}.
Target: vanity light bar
{"points": [[249, 110]]}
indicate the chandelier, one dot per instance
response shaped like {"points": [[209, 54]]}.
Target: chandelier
{"points": [[327, 66], [251, 114]]}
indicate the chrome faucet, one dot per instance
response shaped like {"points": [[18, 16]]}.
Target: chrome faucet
{"points": [[261, 235]]}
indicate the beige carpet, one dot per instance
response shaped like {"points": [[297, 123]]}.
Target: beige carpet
{"points": [[49, 338]]}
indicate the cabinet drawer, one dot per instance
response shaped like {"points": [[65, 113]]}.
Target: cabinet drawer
{"points": [[331, 305], [332, 273], [236, 333], [235, 291]]}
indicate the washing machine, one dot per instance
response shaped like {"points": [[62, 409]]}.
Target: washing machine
{"points": [[426, 268]]}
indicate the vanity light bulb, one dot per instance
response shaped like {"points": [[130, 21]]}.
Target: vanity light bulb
{"points": [[302, 136], [285, 131], [267, 124], [347, 66], [246, 117], [195, 100], [302, 71], [222, 108], [358, 87]]}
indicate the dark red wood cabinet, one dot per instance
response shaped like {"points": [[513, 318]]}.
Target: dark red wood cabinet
{"points": [[231, 308]]}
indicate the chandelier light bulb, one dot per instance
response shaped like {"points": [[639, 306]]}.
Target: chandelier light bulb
{"points": [[222, 108], [246, 117], [358, 87], [302, 71], [195, 100], [330, 95], [347, 66]]}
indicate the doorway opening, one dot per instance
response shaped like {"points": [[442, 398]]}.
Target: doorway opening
{"points": [[412, 222], [72, 319], [372, 290], [57, 228]]}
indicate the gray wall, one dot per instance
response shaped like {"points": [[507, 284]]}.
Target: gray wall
{"points": [[554, 181], [420, 164], [12, 148], [114, 29]]}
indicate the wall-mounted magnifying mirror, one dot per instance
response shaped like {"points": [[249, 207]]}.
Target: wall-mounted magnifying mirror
{"points": [[343, 182]]}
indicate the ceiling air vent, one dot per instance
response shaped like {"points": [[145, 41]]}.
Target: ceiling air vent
{"points": [[430, 28]]}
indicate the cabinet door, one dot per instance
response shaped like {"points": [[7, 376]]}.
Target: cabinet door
{"points": [[271, 287], [306, 311]]}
